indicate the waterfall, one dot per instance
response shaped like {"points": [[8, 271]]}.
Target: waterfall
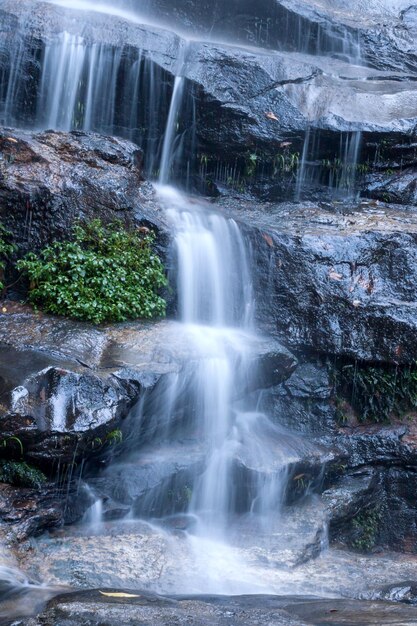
{"points": [[245, 454]]}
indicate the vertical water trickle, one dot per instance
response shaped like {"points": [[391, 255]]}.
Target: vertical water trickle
{"points": [[350, 148], [302, 170], [168, 152], [62, 71]]}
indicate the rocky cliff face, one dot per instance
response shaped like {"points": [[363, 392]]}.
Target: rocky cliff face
{"points": [[334, 287], [277, 121], [308, 100]]}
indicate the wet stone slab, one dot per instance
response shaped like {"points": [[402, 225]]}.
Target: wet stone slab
{"points": [[108, 606]]}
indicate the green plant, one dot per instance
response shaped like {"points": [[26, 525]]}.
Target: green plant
{"points": [[251, 163], [365, 528], [14, 439], [106, 273], [114, 437], [6, 249], [286, 161], [21, 474], [377, 392]]}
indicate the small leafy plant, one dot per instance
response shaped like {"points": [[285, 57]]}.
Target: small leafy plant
{"points": [[105, 274], [378, 392], [365, 530], [20, 474], [6, 249]]}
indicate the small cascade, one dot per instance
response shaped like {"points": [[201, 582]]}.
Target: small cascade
{"points": [[204, 419], [337, 172], [62, 72], [78, 85], [93, 517]]}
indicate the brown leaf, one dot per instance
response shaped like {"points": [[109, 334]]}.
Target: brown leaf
{"points": [[12, 139], [118, 594], [271, 116], [335, 276], [268, 240]]}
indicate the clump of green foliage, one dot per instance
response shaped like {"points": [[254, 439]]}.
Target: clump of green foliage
{"points": [[6, 249], [20, 474], [365, 530], [378, 392], [104, 274]]}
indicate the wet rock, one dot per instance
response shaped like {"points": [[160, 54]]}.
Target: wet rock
{"points": [[29, 512], [353, 493], [338, 282], [247, 101], [157, 611], [399, 188], [99, 609], [158, 483], [309, 381], [398, 520], [403, 591], [50, 179], [304, 402]]}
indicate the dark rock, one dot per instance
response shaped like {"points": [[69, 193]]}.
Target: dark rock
{"points": [[352, 494], [29, 512], [74, 609], [158, 483], [398, 520], [340, 283], [49, 180], [309, 381], [247, 101], [399, 188]]}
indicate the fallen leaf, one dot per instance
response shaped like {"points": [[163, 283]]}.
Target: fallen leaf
{"points": [[271, 116], [335, 276], [285, 144], [268, 240], [12, 139], [118, 594], [298, 476]]}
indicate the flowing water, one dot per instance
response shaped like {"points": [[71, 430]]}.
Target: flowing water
{"points": [[222, 464]]}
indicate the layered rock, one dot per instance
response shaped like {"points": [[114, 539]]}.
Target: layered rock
{"points": [[237, 102], [50, 180]]}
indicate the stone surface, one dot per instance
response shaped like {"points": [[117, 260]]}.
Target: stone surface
{"points": [[248, 100], [400, 187], [75, 609], [340, 278], [49, 180]]}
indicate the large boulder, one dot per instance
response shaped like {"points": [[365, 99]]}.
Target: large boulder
{"points": [[49, 180], [340, 280]]}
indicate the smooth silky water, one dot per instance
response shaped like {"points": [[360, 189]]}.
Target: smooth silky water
{"points": [[230, 534], [207, 411]]}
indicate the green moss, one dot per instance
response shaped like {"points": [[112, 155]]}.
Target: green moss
{"points": [[365, 530], [105, 274], [20, 474]]}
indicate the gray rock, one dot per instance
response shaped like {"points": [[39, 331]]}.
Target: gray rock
{"points": [[248, 100], [400, 187], [340, 282]]}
